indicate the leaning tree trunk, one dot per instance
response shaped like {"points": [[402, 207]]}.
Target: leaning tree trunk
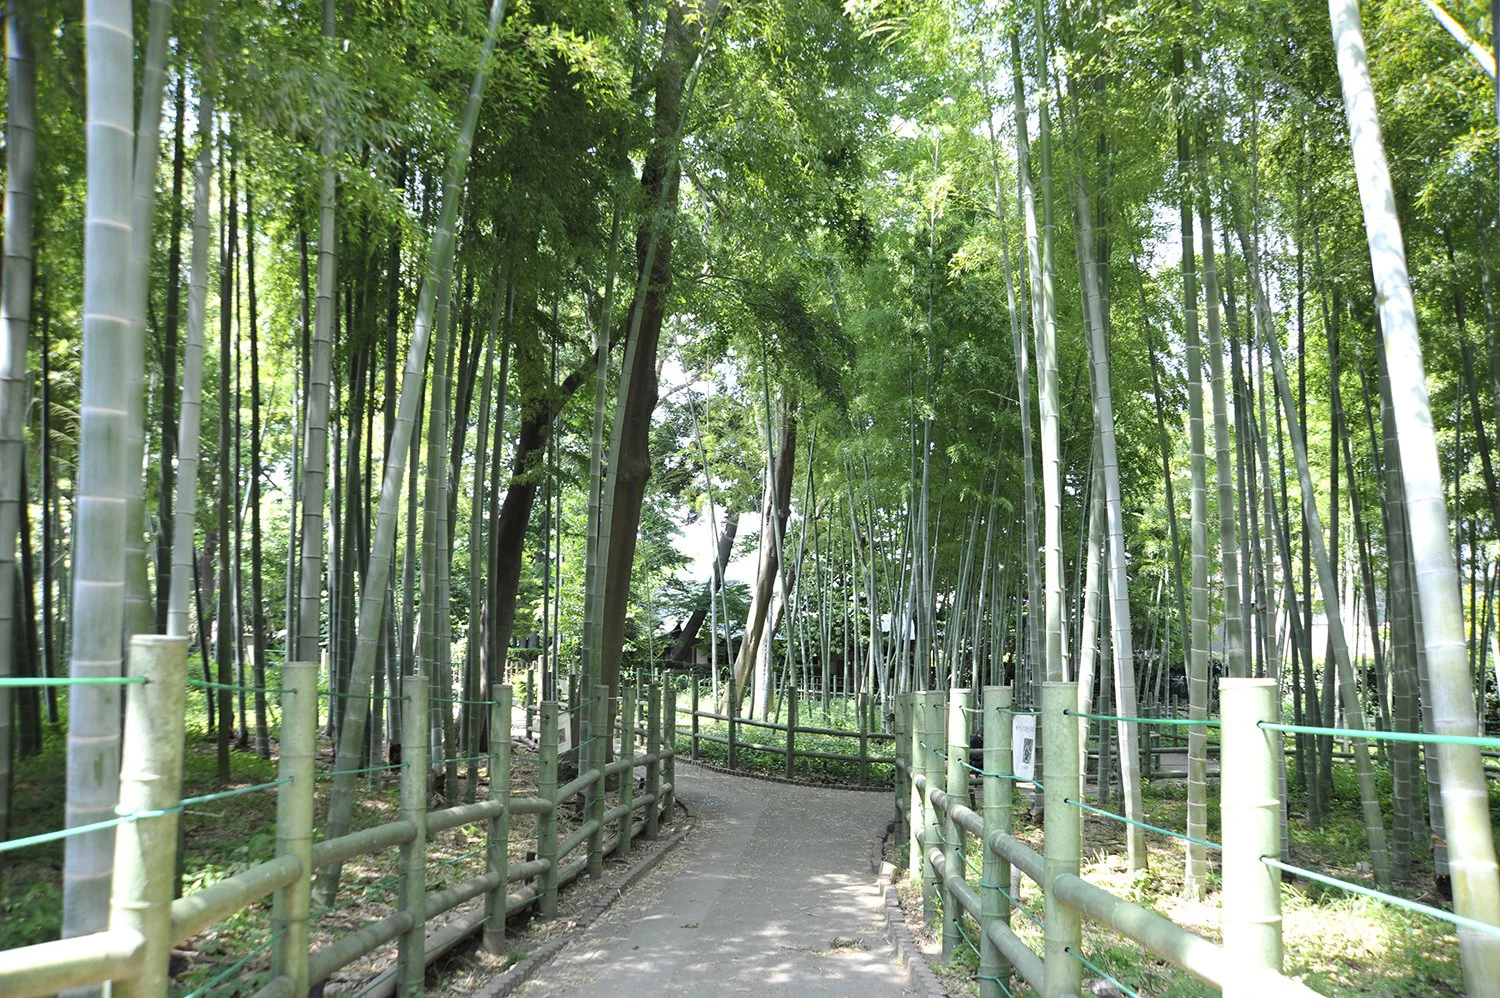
{"points": [[682, 650], [1476, 882], [382, 548], [777, 508], [97, 607], [15, 326]]}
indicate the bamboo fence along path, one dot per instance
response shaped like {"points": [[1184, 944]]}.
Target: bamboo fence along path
{"points": [[947, 841], [145, 923]]}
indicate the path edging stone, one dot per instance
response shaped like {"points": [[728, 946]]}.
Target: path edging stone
{"points": [[908, 953], [513, 977]]}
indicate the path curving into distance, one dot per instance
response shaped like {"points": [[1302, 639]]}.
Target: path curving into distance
{"points": [[771, 894]]}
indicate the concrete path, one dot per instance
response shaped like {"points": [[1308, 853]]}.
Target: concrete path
{"points": [[771, 894]]}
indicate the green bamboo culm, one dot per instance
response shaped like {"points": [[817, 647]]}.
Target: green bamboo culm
{"points": [[382, 550], [98, 597], [15, 327], [1476, 880]]}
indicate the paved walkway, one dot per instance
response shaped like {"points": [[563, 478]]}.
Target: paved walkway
{"points": [[771, 894]]}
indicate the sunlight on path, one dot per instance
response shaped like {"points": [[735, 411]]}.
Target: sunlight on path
{"points": [[771, 894]]}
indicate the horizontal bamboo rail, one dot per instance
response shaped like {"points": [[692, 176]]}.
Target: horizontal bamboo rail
{"points": [[937, 827], [133, 954]]}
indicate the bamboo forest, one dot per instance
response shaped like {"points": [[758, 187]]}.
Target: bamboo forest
{"points": [[795, 497]]}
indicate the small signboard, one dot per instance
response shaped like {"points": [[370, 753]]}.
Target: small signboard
{"points": [[1023, 746]]}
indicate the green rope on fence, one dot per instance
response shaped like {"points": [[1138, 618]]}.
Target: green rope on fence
{"points": [[28, 681], [1209, 722], [358, 772], [997, 980], [459, 758], [1141, 824], [121, 818], [958, 924], [986, 772], [204, 684], [234, 968], [64, 833], [1015, 904], [206, 798], [1389, 736], [1390, 899], [1100, 971]]}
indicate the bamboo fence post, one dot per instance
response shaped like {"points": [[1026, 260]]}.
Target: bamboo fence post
{"points": [[1251, 827], [410, 953], [957, 784], [994, 970], [531, 699], [1062, 839], [627, 778], [693, 738], [599, 758], [669, 765], [864, 739], [916, 707], [791, 729], [546, 823], [901, 749], [732, 708], [653, 768], [498, 858], [932, 765], [294, 819], [150, 785]]}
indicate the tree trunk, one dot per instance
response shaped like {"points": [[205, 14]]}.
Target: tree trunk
{"points": [[682, 650], [777, 509], [630, 458]]}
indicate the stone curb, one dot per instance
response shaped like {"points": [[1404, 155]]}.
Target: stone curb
{"points": [[513, 977], [772, 778], [924, 982]]}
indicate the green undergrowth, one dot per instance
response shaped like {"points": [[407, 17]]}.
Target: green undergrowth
{"points": [[771, 760], [1337, 943], [222, 838]]}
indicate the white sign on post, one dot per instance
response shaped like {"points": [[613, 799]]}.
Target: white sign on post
{"points": [[1023, 746]]}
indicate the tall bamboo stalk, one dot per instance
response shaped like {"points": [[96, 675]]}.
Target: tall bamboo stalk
{"points": [[1119, 583], [382, 548], [315, 421], [1465, 804], [97, 606], [139, 613], [190, 407], [15, 326]]}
